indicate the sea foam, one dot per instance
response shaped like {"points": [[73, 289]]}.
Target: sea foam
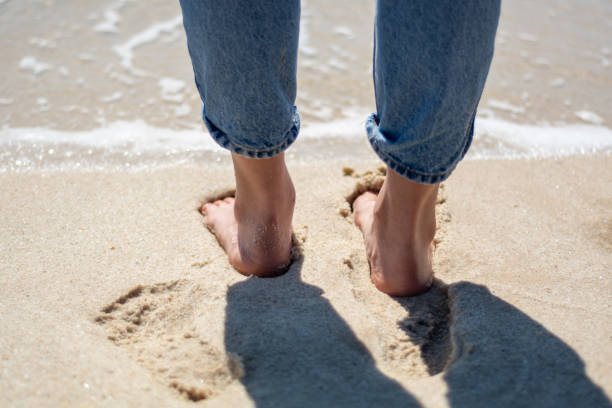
{"points": [[131, 142]]}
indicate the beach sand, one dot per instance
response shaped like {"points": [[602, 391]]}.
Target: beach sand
{"points": [[114, 294]]}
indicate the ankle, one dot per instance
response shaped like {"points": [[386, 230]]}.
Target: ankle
{"points": [[266, 181], [260, 173], [404, 193], [406, 206]]}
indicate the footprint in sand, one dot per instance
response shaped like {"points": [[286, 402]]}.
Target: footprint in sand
{"points": [[413, 332], [155, 325]]}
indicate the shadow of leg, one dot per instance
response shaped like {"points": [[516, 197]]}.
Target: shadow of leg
{"points": [[298, 352], [499, 356], [427, 324]]}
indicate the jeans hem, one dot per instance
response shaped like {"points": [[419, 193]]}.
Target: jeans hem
{"points": [[222, 139], [403, 170]]}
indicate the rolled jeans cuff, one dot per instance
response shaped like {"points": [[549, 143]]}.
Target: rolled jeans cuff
{"points": [[258, 152], [376, 139]]}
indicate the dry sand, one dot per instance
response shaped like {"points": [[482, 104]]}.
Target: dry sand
{"points": [[114, 294]]}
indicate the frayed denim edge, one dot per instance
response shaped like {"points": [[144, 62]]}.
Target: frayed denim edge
{"points": [[223, 140], [372, 129]]}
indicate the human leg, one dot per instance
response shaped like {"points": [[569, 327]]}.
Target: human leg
{"points": [[430, 66], [254, 228], [244, 58]]}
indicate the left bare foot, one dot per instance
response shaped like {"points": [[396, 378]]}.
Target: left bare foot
{"points": [[254, 229]]}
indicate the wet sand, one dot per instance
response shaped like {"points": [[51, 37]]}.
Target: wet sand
{"points": [[82, 64], [113, 293]]}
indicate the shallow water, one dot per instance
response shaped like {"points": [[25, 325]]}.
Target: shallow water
{"points": [[97, 84]]}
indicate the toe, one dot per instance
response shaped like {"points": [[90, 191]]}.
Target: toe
{"points": [[229, 200], [363, 207], [364, 198]]}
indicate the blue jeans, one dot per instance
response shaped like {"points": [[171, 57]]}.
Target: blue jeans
{"points": [[431, 61]]}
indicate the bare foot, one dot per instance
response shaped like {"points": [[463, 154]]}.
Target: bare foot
{"points": [[254, 229], [398, 227]]}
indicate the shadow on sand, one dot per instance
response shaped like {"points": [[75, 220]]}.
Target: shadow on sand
{"points": [[298, 352]]}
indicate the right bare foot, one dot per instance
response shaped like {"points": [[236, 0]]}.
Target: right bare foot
{"points": [[398, 227], [254, 228]]}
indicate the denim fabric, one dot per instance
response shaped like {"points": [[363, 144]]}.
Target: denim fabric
{"points": [[431, 61], [244, 56]]}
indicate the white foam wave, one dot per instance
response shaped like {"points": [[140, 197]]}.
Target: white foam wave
{"points": [[589, 116], [110, 24], [171, 89], [171, 85], [111, 18], [344, 31], [496, 138], [29, 63], [348, 127], [125, 51], [125, 142], [505, 106], [115, 96], [137, 137]]}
